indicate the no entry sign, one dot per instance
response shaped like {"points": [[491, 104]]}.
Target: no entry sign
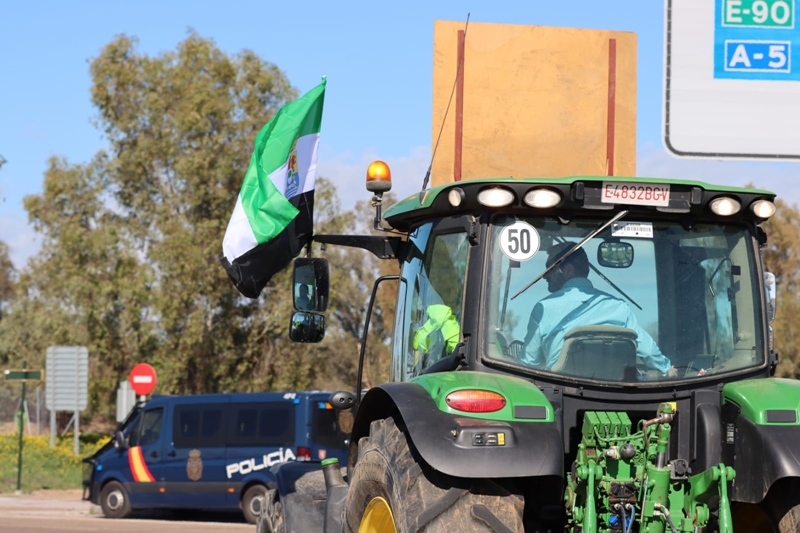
{"points": [[142, 379]]}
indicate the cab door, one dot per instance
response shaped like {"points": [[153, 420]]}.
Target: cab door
{"points": [[145, 460]]}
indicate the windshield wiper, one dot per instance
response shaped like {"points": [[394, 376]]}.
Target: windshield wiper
{"points": [[571, 251]]}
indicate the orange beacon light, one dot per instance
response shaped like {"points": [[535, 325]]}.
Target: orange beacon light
{"points": [[379, 177]]}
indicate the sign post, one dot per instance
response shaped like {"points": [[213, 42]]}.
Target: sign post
{"points": [[22, 375], [731, 77], [67, 386], [143, 379]]}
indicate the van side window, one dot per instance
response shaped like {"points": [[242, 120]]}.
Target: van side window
{"points": [[151, 426], [261, 425], [198, 426]]}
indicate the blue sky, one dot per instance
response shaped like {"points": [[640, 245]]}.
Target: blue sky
{"points": [[377, 57]]}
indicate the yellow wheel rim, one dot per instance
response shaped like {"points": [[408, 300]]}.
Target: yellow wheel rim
{"points": [[377, 518]]}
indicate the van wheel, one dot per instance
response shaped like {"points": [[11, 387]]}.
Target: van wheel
{"points": [[253, 502], [114, 500], [392, 491], [271, 518]]}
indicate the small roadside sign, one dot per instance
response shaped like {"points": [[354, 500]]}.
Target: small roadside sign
{"points": [[26, 375], [142, 379]]}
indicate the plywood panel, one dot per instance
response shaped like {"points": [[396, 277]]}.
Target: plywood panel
{"points": [[535, 101]]}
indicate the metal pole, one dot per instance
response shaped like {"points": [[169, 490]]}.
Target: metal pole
{"points": [[52, 427], [38, 409], [21, 426], [77, 404]]}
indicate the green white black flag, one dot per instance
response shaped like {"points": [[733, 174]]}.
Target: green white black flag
{"points": [[273, 217]]}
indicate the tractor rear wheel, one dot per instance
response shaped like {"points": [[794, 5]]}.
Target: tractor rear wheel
{"points": [[392, 491], [778, 513]]}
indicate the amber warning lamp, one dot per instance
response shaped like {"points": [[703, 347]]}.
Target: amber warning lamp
{"points": [[379, 178]]}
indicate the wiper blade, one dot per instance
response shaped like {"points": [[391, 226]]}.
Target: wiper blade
{"points": [[571, 251]]}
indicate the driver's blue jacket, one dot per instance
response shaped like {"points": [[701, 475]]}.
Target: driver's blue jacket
{"points": [[577, 304]]}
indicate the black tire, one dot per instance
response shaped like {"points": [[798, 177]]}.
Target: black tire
{"points": [[420, 498], [778, 513], [271, 518], [114, 500], [253, 502]]}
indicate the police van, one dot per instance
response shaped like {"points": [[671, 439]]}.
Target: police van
{"points": [[210, 451]]}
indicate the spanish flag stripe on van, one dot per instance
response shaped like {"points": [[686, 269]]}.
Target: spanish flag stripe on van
{"points": [[139, 468]]}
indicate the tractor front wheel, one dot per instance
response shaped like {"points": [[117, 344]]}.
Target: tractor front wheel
{"points": [[392, 491]]}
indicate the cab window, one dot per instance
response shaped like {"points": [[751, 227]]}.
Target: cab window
{"points": [[151, 426], [429, 311]]}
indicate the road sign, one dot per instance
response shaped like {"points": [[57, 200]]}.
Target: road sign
{"points": [[67, 383], [25, 375], [126, 399], [142, 379], [731, 79]]}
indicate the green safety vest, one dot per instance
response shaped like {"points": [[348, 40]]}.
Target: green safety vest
{"points": [[440, 318]]}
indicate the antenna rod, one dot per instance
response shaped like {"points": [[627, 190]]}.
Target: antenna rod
{"points": [[444, 120]]}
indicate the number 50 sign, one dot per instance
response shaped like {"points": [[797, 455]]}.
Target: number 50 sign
{"points": [[519, 241]]}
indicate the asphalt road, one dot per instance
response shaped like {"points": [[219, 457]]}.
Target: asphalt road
{"points": [[63, 511]]}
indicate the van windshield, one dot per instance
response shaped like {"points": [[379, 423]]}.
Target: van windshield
{"points": [[640, 301], [325, 429]]}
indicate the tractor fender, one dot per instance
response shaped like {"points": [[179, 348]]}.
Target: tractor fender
{"points": [[763, 455], [762, 434], [448, 442]]}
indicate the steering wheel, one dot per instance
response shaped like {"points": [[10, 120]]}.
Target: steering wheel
{"points": [[690, 369], [511, 349]]}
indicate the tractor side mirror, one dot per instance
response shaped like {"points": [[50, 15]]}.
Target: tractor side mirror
{"points": [[310, 284], [307, 327], [615, 254]]}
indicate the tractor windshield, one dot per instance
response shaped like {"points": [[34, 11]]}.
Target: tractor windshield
{"points": [[639, 301]]}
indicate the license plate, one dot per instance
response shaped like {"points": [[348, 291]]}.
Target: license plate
{"points": [[616, 192]]}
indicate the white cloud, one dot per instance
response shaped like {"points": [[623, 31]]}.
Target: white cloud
{"points": [[780, 178], [348, 173], [20, 237]]}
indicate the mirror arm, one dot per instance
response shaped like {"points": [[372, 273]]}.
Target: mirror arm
{"points": [[382, 247], [363, 350]]}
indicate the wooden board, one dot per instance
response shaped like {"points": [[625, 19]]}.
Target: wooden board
{"points": [[535, 101]]}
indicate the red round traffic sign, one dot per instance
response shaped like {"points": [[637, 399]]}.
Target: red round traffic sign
{"points": [[142, 379]]}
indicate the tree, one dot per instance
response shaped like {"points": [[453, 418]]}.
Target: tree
{"points": [[782, 258], [129, 265], [131, 241], [7, 274]]}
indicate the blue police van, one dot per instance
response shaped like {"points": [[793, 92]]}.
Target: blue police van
{"points": [[210, 451]]}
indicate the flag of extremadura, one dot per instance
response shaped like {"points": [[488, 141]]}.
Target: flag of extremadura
{"points": [[273, 217]]}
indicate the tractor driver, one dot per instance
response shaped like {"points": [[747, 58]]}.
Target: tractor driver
{"points": [[575, 302], [303, 301]]}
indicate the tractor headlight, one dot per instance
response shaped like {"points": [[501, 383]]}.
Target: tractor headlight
{"points": [[542, 198], [495, 197], [725, 206], [763, 208]]}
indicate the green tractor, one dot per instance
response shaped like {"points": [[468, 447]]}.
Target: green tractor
{"points": [[583, 354]]}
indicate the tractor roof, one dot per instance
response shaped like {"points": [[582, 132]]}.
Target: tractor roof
{"points": [[432, 203]]}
